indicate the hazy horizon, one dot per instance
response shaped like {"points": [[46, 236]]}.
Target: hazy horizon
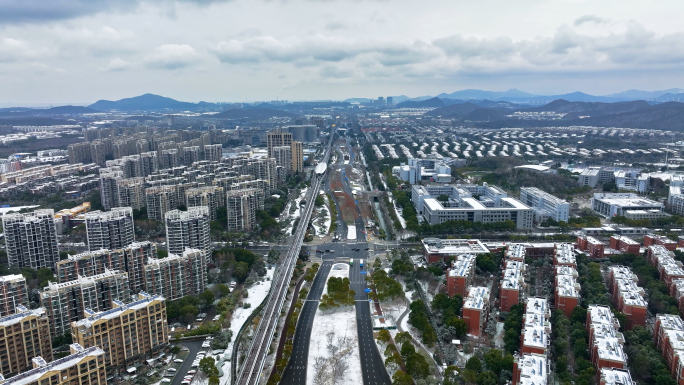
{"points": [[80, 51]]}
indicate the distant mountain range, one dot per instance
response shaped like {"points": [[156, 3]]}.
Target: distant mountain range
{"points": [[148, 102]]}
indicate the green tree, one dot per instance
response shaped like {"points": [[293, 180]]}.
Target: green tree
{"points": [[417, 366], [162, 253], [207, 297], [459, 325], [241, 271], [214, 380], [401, 378], [486, 378], [208, 366], [224, 290], [474, 364]]}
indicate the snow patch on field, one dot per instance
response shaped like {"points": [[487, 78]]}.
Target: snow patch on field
{"points": [[297, 212], [322, 224], [257, 293], [343, 324]]}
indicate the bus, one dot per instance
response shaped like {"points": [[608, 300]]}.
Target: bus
{"points": [[351, 262], [361, 262]]}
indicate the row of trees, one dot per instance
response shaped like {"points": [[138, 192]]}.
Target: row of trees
{"points": [[495, 367], [570, 343], [419, 318], [386, 287], [513, 328], [448, 309]]}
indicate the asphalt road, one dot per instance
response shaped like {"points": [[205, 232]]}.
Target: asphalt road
{"points": [[372, 366], [194, 347], [295, 372]]}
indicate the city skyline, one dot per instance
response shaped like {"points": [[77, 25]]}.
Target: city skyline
{"points": [[77, 52]]}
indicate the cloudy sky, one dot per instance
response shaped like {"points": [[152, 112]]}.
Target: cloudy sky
{"points": [[79, 51]]}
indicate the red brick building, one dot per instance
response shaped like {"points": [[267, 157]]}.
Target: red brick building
{"points": [[564, 255], [460, 276], [628, 296], [511, 284], [624, 244], [567, 292], [530, 369], [445, 250], [654, 239], [591, 245], [476, 310]]}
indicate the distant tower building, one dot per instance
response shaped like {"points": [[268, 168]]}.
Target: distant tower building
{"points": [[160, 199], [390, 101], [297, 156], [109, 193], [31, 239], [213, 152], [149, 162], [131, 166], [241, 208], [79, 153], [170, 158], [277, 139], [191, 155], [13, 293], [283, 157], [131, 192], [110, 229], [212, 197], [381, 100], [303, 133], [187, 229]]}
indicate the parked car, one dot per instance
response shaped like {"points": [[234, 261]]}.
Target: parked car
{"points": [[178, 361], [171, 369]]}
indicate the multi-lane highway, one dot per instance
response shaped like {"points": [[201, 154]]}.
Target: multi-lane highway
{"points": [[295, 372]]}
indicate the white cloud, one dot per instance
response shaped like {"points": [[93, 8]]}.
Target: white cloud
{"points": [[171, 57], [116, 64]]}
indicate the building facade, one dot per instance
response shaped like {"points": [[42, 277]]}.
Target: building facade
{"points": [[23, 336], [177, 275], [112, 229], [241, 206], [13, 293], [31, 239], [545, 205], [188, 229]]}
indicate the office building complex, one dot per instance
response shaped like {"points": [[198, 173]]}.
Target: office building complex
{"points": [[425, 170], [67, 302], [13, 293], [81, 367], [303, 133], [177, 275], [493, 205], [545, 205], [609, 205], [212, 197], [110, 229], [31, 239], [241, 206], [131, 259], [23, 336], [297, 156], [187, 229], [128, 333]]}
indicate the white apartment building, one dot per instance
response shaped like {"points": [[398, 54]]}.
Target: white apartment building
{"points": [[492, 205], [212, 197], [110, 229], [241, 207], [31, 239], [187, 229], [213, 152], [177, 276], [160, 199], [131, 192]]}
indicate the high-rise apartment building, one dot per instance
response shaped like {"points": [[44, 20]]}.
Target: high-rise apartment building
{"points": [[23, 336], [297, 156], [213, 152], [303, 133], [283, 157], [149, 162], [109, 193], [129, 333], [131, 259], [131, 192], [277, 139], [66, 302], [160, 199], [187, 229], [110, 229], [81, 367], [191, 155], [169, 158], [241, 209], [212, 197], [176, 276], [31, 239], [13, 293]]}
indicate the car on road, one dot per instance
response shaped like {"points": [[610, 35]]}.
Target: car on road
{"points": [[178, 361], [192, 372]]}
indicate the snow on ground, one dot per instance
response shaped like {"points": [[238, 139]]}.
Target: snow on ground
{"points": [[295, 215], [400, 215], [257, 292], [343, 324], [351, 232], [322, 224]]}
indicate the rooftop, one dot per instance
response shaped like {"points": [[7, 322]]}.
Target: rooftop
{"points": [[602, 315], [478, 298], [614, 376], [143, 301], [611, 349], [463, 266], [670, 322], [56, 366], [567, 286], [21, 313], [537, 305], [454, 246], [533, 369], [536, 337]]}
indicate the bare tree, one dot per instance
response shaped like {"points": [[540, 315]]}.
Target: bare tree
{"points": [[321, 372]]}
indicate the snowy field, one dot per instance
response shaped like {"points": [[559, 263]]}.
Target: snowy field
{"points": [[257, 293], [399, 214], [339, 327], [295, 215], [351, 232], [322, 224]]}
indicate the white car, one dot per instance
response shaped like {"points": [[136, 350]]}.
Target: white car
{"points": [[171, 369], [178, 361]]}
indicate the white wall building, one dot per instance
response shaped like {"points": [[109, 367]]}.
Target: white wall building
{"points": [[545, 205], [610, 205]]}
